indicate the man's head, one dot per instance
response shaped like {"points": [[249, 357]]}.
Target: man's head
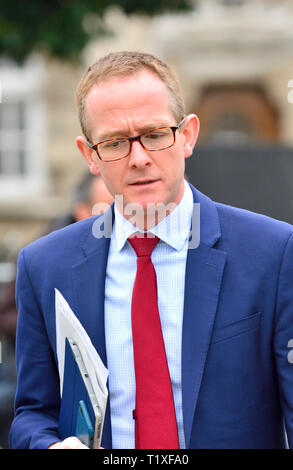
{"points": [[123, 64], [137, 102]]}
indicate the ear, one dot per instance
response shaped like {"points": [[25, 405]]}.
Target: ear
{"points": [[88, 154], [190, 130]]}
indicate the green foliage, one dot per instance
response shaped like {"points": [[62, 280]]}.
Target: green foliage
{"points": [[59, 27]]}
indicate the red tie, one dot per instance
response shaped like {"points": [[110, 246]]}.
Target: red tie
{"points": [[154, 414]]}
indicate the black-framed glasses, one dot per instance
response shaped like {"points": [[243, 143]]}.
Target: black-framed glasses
{"points": [[152, 141]]}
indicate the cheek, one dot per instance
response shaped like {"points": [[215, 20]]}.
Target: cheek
{"points": [[112, 178], [106, 175], [175, 167]]}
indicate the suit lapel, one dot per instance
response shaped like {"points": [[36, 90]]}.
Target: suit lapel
{"points": [[202, 286], [88, 279], [204, 270]]}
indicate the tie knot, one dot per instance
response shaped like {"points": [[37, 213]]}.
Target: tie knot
{"points": [[143, 243]]}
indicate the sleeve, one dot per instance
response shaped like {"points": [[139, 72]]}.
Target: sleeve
{"points": [[37, 399], [283, 336]]}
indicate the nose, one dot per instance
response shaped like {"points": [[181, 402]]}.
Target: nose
{"points": [[139, 157]]}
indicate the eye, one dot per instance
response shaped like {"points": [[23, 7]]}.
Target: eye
{"points": [[156, 135], [113, 144]]}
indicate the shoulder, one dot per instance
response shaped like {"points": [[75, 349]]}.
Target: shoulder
{"points": [[60, 245], [239, 226], [253, 233], [248, 221]]}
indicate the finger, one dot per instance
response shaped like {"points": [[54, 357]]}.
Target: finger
{"points": [[73, 443], [69, 443]]}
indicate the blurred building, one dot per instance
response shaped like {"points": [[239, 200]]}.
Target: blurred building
{"points": [[234, 60]]}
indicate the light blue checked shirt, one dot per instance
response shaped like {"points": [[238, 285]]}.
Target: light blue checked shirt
{"points": [[169, 260]]}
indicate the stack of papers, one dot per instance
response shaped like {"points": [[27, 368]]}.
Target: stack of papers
{"points": [[68, 326]]}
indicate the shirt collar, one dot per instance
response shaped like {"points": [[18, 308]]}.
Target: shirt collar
{"points": [[173, 229]]}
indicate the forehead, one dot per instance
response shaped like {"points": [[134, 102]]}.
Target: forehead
{"points": [[136, 97]]}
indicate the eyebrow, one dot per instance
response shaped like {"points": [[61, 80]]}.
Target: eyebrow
{"points": [[122, 133]]}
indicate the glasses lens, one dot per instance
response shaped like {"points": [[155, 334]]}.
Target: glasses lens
{"points": [[158, 139], [113, 149]]}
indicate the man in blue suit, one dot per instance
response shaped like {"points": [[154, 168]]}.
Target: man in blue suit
{"points": [[226, 304]]}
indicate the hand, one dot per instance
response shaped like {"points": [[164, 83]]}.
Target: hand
{"points": [[68, 443]]}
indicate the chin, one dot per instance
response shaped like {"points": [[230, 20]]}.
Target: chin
{"points": [[150, 202]]}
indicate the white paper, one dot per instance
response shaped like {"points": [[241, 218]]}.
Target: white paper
{"points": [[68, 326]]}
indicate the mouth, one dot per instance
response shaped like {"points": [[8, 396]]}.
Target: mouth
{"points": [[144, 183]]}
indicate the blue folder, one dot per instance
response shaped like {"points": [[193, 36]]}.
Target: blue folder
{"points": [[79, 412]]}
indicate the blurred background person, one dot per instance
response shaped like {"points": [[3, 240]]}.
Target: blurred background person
{"points": [[90, 191]]}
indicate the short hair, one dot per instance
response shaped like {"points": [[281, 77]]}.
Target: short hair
{"points": [[126, 63]]}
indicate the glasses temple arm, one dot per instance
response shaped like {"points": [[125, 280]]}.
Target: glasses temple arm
{"points": [[181, 122]]}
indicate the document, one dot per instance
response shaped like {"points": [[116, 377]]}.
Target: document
{"points": [[68, 327]]}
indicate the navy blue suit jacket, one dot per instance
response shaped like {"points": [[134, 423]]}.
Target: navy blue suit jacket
{"points": [[237, 382]]}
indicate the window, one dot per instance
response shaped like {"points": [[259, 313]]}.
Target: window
{"points": [[12, 137], [237, 114], [22, 130]]}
